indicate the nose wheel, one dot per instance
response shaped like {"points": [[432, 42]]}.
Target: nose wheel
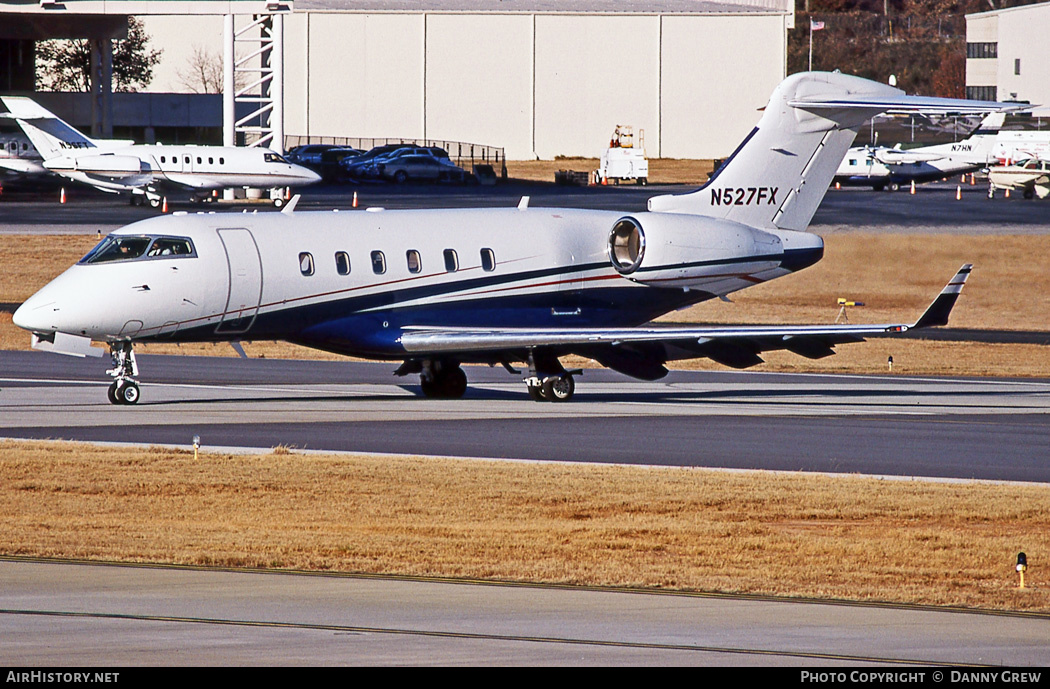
{"points": [[125, 389], [123, 392]]}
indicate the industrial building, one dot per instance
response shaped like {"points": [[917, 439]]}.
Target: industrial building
{"points": [[1006, 55], [538, 78]]}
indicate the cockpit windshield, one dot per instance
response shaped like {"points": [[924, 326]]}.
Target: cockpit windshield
{"points": [[130, 248], [274, 158]]}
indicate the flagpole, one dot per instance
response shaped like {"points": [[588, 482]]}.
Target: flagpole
{"points": [[810, 45]]}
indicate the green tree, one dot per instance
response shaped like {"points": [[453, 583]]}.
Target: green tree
{"points": [[65, 65]]}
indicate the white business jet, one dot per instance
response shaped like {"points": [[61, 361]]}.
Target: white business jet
{"points": [[434, 289], [141, 170], [18, 156], [881, 168]]}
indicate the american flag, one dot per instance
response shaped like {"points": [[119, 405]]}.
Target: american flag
{"points": [[815, 26]]}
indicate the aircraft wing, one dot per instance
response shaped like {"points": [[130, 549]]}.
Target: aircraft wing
{"points": [[195, 181], [736, 346]]}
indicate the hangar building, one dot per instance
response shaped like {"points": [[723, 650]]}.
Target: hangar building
{"points": [[1006, 55], [539, 78]]}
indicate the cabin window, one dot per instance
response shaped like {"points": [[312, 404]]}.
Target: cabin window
{"points": [[198, 160], [342, 263], [306, 263], [222, 161], [162, 159], [211, 161], [488, 260], [378, 262], [451, 260], [414, 263], [186, 160]]}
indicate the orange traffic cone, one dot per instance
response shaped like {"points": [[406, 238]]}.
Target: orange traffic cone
{"points": [[354, 205], [62, 197], [164, 205], [958, 193], [913, 186]]}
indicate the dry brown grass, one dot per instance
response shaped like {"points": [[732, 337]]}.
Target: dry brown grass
{"points": [[895, 275], [794, 535], [661, 170]]}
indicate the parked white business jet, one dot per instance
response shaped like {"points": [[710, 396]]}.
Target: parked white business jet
{"points": [[141, 169], [434, 289], [18, 155], [881, 168]]}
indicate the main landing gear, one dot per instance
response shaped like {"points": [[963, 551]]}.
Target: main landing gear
{"points": [[548, 381], [125, 389], [558, 388], [442, 380]]}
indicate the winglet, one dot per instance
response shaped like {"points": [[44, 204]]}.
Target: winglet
{"points": [[937, 313], [290, 208]]}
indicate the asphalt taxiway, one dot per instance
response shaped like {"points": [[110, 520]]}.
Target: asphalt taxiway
{"points": [[884, 425], [116, 615], [932, 209]]}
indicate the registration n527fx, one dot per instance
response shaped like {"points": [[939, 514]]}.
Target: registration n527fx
{"points": [[434, 289]]}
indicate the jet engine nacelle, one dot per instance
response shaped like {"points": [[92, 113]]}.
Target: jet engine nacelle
{"points": [[111, 165], [668, 250]]}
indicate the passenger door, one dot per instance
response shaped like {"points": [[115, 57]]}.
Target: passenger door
{"points": [[245, 280]]}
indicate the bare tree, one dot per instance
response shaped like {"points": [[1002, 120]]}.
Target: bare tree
{"points": [[203, 71]]}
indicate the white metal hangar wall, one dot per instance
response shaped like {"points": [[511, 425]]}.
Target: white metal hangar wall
{"points": [[547, 79], [1007, 57]]}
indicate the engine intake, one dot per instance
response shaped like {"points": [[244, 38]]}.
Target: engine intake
{"points": [[687, 251], [626, 245]]}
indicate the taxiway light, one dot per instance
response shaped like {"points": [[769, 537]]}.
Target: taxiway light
{"points": [[1022, 566]]}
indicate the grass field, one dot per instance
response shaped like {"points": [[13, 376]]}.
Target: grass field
{"points": [[754, 532]]}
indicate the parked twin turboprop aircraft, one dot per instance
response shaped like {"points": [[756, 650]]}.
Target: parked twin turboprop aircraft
{"points": [[881, 168], [141, 170], [435, 289]]}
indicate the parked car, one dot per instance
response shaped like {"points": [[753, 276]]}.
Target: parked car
{"points": [[357, 167], [329, 166], [309, 153], [420, 166]]}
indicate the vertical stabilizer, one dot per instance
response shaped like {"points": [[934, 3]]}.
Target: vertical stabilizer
{"points": [[51, 136], [778, 176]]}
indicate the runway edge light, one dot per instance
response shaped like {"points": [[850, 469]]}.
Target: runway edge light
{"points": [[1022, 566], [196, 446]]}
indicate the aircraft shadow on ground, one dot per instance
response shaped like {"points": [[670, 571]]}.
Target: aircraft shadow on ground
{"points": [[814, 396]]}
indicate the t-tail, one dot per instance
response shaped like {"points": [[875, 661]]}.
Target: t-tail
{"points": [[778, 176], [51, 136]]}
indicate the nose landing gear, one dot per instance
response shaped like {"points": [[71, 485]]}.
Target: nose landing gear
{"points": [[125, 389]]}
